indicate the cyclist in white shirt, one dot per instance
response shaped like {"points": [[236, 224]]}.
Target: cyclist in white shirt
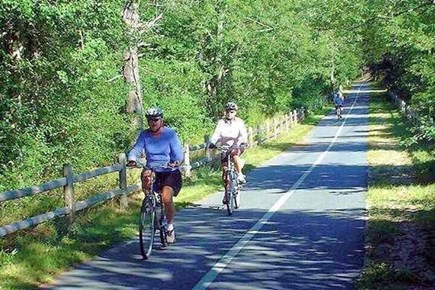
{"points": [[231, 130], [338, 99], [340, 91]]}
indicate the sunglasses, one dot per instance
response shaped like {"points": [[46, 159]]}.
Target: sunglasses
{"points": [[154, 119]]}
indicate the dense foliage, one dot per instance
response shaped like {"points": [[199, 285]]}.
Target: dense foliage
{"points": [[400, 47], [63, 96], [56, 105]]}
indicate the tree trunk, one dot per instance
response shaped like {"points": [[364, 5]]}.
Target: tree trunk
{"points": [[131, 64]]}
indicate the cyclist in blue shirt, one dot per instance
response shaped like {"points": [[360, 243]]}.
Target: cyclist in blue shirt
{"points": [[338, 99], [161, 146]]}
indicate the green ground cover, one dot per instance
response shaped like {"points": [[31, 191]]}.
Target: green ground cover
{"points": [[400, 241]]}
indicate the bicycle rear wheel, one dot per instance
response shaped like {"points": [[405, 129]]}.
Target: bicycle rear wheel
{"points": [[162, 228], [230, 203], [229, 194], [163, 237], [147, 226]]}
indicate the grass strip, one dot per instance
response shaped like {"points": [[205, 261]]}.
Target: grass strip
{"points": [[400, 240]]}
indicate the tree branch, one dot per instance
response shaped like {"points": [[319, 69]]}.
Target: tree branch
{"points": [[114, 78], [150, 24]]}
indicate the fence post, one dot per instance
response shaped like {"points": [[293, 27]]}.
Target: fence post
{"points": [[187, 160], [259, 134], [295, 115], [250, 136], [286, 122], [291, 119], [267, 128], [123, 180], [275, 127], [68, 190], [207, 152]]}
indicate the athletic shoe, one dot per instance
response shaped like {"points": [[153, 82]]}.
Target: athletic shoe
{"points": [[170, 236], [241, 178]]}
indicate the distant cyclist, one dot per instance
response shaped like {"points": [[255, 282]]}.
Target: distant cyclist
{"points": [[340, 91], [338, 100], [231, 130], [162, 146]]}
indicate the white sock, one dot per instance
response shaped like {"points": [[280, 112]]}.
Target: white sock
{"points": [[170, 227]]}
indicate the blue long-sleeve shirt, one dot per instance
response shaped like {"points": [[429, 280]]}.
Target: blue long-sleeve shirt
{"points": [[159, 148], [338, 100]]}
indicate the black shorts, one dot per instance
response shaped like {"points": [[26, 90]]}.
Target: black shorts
{"points": [[238, 151], [171, 179]]}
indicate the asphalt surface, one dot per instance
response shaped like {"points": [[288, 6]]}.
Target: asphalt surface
{"points": [[300, 226]]}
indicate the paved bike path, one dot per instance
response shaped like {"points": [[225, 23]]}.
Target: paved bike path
{"points": [[300, 226]]}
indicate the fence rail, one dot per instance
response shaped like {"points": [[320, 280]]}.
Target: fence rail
{"points": [[19, 193], [270, 129], [413, 117]]}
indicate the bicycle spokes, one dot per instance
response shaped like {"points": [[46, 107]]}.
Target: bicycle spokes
{"points": [[147, 227]]}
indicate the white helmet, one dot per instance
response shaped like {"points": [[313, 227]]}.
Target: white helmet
{"points": [[231, 106]]}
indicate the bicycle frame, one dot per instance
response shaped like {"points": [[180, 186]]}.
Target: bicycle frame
{"points": [[339, 111], [152, 205], [231, 183], [159, 209]]}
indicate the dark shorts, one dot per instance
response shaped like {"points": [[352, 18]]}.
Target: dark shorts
{"points": [[172, 179], [235, 152]]}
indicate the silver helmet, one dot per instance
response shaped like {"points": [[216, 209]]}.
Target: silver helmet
{"points": [[154, 112], [231, 106]]}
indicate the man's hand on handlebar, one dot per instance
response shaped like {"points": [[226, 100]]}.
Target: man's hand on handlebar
{"points": [[174, 164], [213, 146], [131, 163]]}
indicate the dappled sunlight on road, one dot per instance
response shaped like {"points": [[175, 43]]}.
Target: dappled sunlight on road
{"points": [[315, 242]]}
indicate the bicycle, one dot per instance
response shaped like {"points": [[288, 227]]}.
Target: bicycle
{"points": [[339, 111], [152, 218], [232, 186]]}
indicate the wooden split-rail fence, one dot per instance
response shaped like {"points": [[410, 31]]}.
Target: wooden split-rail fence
{"points": [[411, 115], [406, 109], [268, 130]]}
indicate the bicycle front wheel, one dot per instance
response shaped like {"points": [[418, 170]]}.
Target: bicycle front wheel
{"points": [[147, 228], [229, 194]]}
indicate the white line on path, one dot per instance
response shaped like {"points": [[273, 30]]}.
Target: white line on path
{"points": [[226, 259]]}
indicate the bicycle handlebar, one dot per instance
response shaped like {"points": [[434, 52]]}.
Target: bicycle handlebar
{"points": [[227, 148], [154, 168]]}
